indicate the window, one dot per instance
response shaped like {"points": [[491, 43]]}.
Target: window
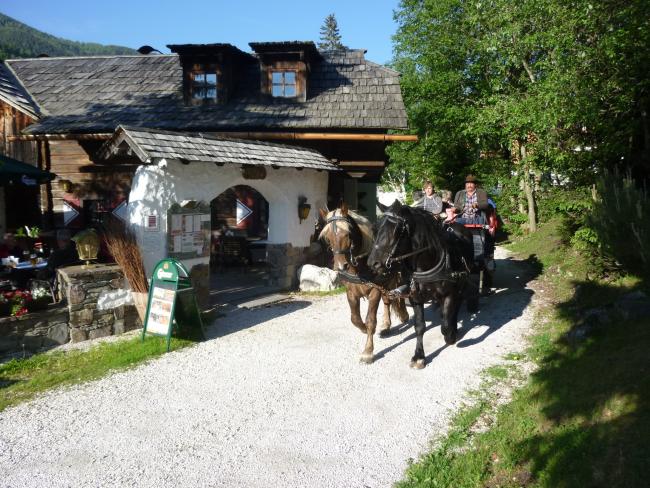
{"points": [[204, 85], [283, 84]]}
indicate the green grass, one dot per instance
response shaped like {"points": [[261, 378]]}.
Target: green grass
{"points": [[336, 291], [22, 379], [582, 419]]}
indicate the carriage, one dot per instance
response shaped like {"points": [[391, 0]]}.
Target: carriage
{"points": [[483, 268]]}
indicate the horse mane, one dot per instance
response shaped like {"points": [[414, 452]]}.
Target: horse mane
{"points": [[425, 230], [364, 226]]}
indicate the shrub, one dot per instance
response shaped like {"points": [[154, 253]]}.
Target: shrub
{"points": [[621, 219]]}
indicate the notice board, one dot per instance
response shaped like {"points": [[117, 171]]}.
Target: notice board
{"points": [[188, 231], [172, 303]]}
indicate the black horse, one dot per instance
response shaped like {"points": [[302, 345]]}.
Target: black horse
{"points": [[438, 259]]}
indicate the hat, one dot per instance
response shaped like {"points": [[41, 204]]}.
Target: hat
{"points": [[471, 179]]}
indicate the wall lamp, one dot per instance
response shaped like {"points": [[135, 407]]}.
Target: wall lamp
{"points": [[303, 208], [66, 186]]}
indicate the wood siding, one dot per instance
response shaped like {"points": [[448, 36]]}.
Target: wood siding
{"points": [[12, 123], [70, 161]]}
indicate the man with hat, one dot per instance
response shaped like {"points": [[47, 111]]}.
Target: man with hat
{"points": [[471, 202]]}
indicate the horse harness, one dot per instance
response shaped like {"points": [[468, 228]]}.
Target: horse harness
{"points": [[355, 242], [355, 237], [441, 271]]}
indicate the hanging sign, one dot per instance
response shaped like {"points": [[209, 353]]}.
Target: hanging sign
{"points": [[172, 303], [69, 213], [242, 212], [121, 211]]}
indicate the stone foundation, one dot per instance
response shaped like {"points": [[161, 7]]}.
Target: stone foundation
{"points": [[284, 261], [200, 277]]}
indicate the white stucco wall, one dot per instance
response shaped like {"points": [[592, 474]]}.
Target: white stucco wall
{"points": [[156, 186]]}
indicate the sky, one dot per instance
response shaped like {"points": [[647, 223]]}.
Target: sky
{"points": [[363, 24]]}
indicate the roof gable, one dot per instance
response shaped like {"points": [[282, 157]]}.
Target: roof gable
{"points": [[145, 145]]}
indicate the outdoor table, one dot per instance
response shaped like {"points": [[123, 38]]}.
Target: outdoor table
{"points": [[25, 271]]}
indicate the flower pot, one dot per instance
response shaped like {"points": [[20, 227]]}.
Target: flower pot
{"points": [[37, 304]]}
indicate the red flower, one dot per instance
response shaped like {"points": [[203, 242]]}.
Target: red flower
{"points": [[20, 312]]}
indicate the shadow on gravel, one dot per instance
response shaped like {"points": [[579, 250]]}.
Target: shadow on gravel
{"points": [[507, 303], [496, 310], [223, 326]]}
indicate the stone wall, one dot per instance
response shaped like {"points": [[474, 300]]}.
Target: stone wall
{"points": [[81, 286], [76, 318], [34, 331]]}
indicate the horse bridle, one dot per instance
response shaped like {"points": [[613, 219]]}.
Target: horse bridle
{"points": [[355, 234], [403, 227]]}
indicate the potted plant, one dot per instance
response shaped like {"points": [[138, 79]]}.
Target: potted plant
{"points": [[40, 299], [19, 301]]}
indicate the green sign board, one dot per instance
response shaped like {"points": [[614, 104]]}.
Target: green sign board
{"points": [[172, 303]]}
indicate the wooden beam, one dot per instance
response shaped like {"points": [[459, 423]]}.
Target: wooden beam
{"points": [[318, 136], [365, 164], [61, 137], [292, 136]]}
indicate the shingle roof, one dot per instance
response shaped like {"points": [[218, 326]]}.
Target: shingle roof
{"points": [[96, 94], [149, 144], [14, 94]]}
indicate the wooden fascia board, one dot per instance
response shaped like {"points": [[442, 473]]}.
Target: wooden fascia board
{"points": [[294, 136], [19, 81], [28, 113]]}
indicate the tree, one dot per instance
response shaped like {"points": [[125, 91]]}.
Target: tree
{"points": [[524, 88], [330, 38]]}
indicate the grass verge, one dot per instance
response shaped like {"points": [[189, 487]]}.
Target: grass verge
{"points": [[22, 379], [581, 419], [336, 291]]}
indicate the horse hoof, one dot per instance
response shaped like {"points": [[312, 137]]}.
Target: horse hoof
{"points": [[366, 359], [450, 339], [419, 364], [384, 333]]}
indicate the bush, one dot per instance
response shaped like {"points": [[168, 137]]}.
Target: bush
{"points": [[621, 219]]}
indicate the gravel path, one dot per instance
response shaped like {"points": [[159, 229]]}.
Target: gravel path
{"points": [[277, 399]]}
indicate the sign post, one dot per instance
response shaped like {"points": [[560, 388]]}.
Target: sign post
{"points": [[171, 302]]}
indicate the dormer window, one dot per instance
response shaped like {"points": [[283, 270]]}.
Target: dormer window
{"points": [[211, 72], [285, 68], [204, 85], [283, 84]]}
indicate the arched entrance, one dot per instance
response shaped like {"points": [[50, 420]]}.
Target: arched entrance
{"points": [[240, 228]]}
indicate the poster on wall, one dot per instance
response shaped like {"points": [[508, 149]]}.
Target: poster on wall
{"points": [[188, 230]]}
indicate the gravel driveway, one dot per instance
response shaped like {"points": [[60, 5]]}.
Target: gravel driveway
{"points": [[276, 398]]}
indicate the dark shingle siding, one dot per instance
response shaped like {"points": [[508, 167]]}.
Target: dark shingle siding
{"points": [[98, 93]]}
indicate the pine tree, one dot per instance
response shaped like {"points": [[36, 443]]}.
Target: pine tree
{"points": [[329, 35]]}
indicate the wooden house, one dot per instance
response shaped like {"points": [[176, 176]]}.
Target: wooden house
{"points": [[64, 115]]}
